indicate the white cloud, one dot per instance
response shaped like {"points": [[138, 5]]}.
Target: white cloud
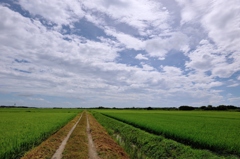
{"points": [[40, 60], [139, 14], [173, 71], [215, 84], [233, 85], [207, 57], [141, 57], [233, 99], [192, 11], [129, 41], [159, 47], [223, 24], [53, 61], [147, 67], [225, 70], [59, 12], [204, 57]]}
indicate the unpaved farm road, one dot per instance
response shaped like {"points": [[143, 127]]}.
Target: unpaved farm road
{"points": [[82, 138], [92, 153]]}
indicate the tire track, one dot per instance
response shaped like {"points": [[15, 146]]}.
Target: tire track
{"points": [[92, 152], [58, 153]]}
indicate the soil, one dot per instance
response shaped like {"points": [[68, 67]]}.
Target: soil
{"points": [[92, 152], [58, 153], [47, 148], [106, 147], [82, 138], [77, 145]]}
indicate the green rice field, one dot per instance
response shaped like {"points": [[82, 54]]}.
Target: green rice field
{"points": [[21, 129], [213, 130]]}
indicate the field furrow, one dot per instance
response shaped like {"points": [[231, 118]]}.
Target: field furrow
{"points": [[141, 144], [142, 134], [216, 131], [106, 147]]}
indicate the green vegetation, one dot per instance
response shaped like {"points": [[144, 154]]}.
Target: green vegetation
{"points": [[141, 144], [77, 145], [217, 131], [24, 128]]}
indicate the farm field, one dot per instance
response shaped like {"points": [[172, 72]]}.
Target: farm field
{"points": [[213, 130], [79, 145], [54, 133], [22, 129], [141, 133]]}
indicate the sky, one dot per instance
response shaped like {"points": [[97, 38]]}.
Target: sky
{"points": [[119, 53]]}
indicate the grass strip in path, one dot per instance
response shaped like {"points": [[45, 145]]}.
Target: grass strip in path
{"points": [[106, 147], [58, 153], [92, 152], [77, 145], [47, 148]]}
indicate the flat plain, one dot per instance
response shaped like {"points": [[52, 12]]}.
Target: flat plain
{"points": [[22, 129], [141, 133], [214, 130]]}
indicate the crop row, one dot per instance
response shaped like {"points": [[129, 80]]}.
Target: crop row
{"points": [[23, 129], [141, 144], [218, 131]]}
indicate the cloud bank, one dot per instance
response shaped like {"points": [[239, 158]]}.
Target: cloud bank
{"points": [[119, 53]]}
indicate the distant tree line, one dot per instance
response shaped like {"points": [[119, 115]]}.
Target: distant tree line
{"points": [[4, 106], [210, 107], [183, 107]]}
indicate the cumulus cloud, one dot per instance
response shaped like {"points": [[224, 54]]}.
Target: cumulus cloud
{"points": [[168, 61], [222, 28], [59, 12], [141, 57], [128, 41], [138, 14], [52, 59], [147, 67], [173, 71], [207, 57], [159, 47], [233, 85], [192, 11], [223, 24]]}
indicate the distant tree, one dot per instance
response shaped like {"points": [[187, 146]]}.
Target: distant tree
{"points": [[149, 108], [209, 106], [222, 107], [185, 107], [232, 107], [203, 107]]}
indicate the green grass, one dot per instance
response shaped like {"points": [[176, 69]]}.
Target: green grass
{"points": [[214, 130], [141, 144], [22, 129]]}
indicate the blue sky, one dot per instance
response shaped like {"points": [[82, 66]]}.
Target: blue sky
{"points": [[119, 53]]}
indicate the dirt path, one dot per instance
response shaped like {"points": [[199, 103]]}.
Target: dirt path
{"points": [[48, 147], [58, 153], [106, 147], [82, 138], [92, 152]]}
